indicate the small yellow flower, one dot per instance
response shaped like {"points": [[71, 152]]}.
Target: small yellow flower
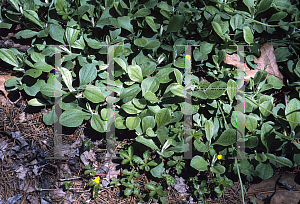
{"points": [[97, 179], [219, 156], [188, 57]]}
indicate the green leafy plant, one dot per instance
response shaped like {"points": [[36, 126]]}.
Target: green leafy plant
{"points": [[199, 189], [67, 183], [156, 192], [153, 77], [87, 145], [95, 183]]}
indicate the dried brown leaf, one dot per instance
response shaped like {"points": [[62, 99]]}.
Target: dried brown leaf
{"points": [[3, 78], [267, 62], [233, 60], [267, 59]]}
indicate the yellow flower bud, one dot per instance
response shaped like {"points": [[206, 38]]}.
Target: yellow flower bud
{"points": [[219, 156]]}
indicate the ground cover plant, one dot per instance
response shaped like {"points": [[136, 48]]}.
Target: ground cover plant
{"points": [[150, 84]]}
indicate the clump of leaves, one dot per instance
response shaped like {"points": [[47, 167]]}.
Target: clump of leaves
{"points": [[154, 75]]}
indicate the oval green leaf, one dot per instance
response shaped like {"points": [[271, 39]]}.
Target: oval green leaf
{"points": [[248, 36], [72, 117], [135, 73], [94, 94], [292, 113], [163, 117], [227, 138], [132, 122], [199, 163]]}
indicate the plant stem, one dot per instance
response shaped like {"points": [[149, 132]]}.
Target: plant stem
{"points": [[268, 24], [240, 179], [66, 179], [225, 123], [270, 111]]}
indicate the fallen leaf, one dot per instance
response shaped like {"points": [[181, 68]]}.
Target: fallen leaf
{"points": [[267, 58], [3, 78], [266, 61]]}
